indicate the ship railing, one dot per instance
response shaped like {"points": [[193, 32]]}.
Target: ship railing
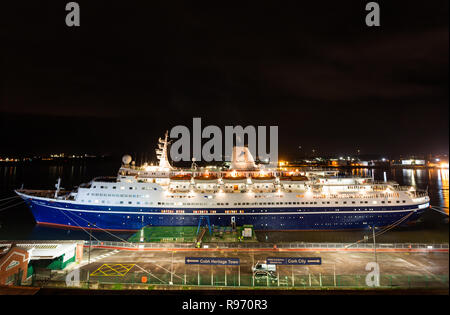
{"points": [[369, 245], [108, 179], [418, 193], [382, 182], [364, 245], [411, 189]]}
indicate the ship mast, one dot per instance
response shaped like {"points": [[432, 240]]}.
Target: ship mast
{"points": [[161, 152]]}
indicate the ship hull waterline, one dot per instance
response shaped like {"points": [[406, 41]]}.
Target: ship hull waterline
{"points": [[60, 214]]}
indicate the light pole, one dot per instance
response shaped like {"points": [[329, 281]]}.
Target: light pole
{"points": [[90, 243], [374, 242], [89, 254]]}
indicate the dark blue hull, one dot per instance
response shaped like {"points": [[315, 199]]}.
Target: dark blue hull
{"points": [[294, 218]]}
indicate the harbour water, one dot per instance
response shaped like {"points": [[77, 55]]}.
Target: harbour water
{"points": [[17, 223]]}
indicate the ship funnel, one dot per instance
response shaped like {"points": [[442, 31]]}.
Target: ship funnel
{"points": [[126, 159], [242, 159]]}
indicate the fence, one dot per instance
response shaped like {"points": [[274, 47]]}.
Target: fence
{"points": [[256, 246], [142, 280]]}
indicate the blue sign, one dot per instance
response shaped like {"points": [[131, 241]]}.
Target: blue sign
{"points": [[294, 260], [211, 261]]}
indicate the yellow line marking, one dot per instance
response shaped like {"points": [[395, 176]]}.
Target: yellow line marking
{"points": [[112, 270]]}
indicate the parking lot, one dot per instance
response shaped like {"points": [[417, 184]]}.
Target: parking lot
{"points": [[336, 268]]}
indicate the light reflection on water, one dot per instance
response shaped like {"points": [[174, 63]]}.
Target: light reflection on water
{"points": [[443, 186], [18, 223]]}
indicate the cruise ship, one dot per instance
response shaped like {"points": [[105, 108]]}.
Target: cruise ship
{"points": [[243, 194]]}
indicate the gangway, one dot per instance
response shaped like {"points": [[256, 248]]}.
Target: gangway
{"points": [[200, 236], [200, 220]]}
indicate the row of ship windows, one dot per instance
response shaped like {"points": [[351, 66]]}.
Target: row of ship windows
{"points": [[358, 196], [236, 204], [227, 186], [118, 195], [123, 187], [118, 202], [235, 211], [347, 217], [226, 204]]}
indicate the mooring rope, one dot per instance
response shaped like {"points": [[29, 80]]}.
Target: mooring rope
{"points": [[150, 273], [10, 206], [8, 201], [99, 228], [439, 210], [90, 234], [387, 228], [13, 197]]}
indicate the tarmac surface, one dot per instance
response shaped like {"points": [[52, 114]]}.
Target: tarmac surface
{"points": [[169, 266], [345, 262]]}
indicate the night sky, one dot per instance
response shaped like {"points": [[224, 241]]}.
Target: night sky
{"points": [[132, 71]]}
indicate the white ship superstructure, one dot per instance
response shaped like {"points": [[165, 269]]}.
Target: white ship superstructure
{"points": [[267, 198]]}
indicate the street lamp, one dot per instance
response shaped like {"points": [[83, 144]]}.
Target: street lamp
{"points": [[89, 255], [374, 242], [90, 243]]}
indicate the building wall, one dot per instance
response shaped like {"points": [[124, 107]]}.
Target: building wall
{"points": [[14, 265], [79, 253]]}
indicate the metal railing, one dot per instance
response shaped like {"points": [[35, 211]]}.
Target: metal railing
{"points": [[269, 245], [249, 245], [219, 279]]}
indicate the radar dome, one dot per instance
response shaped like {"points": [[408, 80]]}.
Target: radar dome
{"points": [[126, 159]]}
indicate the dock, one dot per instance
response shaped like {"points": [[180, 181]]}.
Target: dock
{"points": [[188, 234]]}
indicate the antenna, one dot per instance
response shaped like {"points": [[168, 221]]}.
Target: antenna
{"points": [[57, 186]]}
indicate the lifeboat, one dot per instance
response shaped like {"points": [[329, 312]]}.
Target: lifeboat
{"points": [[294, 178], [263, 179], [181, 177], [234, 177], [205, 177]]}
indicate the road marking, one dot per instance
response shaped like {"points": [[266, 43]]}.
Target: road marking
{"points": [[112, 270]]}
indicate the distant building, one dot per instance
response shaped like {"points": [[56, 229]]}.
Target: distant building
{"points": [[413, 162], [337, 163]]}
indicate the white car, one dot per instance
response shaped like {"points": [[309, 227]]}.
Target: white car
{"points": [[264, 269]]}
